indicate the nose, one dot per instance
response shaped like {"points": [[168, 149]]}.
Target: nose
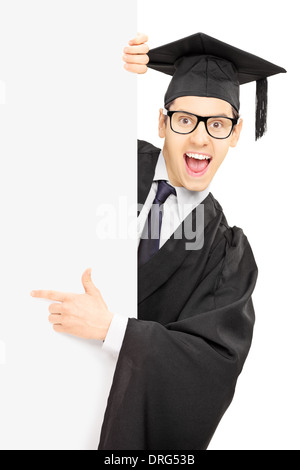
{"points": [[200, 135]]}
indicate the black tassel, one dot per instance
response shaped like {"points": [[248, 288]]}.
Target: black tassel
{"points": [[261, 107]]}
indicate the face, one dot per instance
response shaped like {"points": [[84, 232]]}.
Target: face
{"points": [[186, 171]]}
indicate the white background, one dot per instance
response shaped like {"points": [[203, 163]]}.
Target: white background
{"points": [[258, 188], [67, 146]]}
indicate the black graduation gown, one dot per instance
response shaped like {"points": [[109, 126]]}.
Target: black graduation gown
{"points": [[180, 360]]}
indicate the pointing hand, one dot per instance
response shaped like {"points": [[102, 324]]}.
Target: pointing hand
{"points": [[83, 315]]}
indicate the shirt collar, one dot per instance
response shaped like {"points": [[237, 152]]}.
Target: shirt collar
{"points": [[187, 200]]}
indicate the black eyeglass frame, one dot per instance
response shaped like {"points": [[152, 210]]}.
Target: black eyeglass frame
{"points": [[201, 119]]}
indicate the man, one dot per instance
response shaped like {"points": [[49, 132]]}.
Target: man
{"points": [[178, 363]]}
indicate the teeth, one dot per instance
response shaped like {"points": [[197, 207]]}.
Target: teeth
{"points": [[198, 156]]}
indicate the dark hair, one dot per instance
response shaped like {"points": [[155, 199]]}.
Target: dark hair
{"points": [[235, 113], [167, 107]]}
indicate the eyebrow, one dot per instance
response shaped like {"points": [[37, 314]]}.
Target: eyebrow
{"points": [[211, 115]]}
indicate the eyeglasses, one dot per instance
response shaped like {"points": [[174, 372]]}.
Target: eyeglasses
{"points": [[218, 127]]}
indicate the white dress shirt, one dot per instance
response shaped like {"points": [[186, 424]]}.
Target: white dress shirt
{"points": [[175, 210]]}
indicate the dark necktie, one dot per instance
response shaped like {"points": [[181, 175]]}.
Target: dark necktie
{"points": [[150, 237]]}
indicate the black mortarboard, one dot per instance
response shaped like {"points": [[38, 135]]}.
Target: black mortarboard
{"points": [[204, 66]]}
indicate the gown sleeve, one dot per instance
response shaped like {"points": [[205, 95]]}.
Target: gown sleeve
{"points": [[174, 382]]}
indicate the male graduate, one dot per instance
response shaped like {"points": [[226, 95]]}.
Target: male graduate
{"points": [[178, 362]]}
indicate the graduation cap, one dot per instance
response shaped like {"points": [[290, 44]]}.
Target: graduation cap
{"points": [[204, 66]]}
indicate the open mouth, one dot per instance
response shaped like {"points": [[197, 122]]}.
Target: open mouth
{"points": [[197, 163]]}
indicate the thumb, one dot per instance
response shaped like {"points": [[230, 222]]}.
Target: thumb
{"points": [[87, 282]]}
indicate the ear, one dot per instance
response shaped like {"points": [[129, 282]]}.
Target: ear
{"points": [[236, 133], [161, 124]]}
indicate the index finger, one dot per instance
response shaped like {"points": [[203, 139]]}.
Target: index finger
{"points": [[141, 38], [50, 295]]}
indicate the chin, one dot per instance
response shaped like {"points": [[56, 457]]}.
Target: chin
{"points": [[196, 185]]}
